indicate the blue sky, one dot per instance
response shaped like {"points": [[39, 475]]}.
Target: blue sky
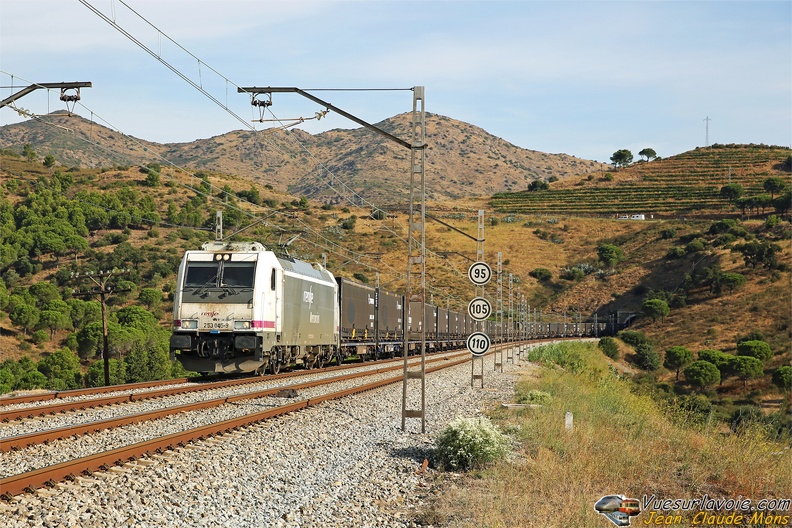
{"points": [[582, 78]]}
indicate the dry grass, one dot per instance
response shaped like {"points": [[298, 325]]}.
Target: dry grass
{"points": [[621, 444]]}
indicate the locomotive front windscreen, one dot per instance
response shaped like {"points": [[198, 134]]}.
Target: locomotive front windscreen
{"points": [[217, 274], [238, 274], [219, 281], [201, 274]]}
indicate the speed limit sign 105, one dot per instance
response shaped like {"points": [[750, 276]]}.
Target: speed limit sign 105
{"points": [[478, 343], [479, 273], [479, 308]]}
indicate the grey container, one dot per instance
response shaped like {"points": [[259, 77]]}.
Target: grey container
{"points": [[357, 310]]}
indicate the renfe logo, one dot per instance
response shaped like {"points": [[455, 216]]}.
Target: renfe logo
{"points": [[308, 297], [210, 314]]}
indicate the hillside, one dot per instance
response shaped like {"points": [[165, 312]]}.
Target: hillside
{"points": [[687, 184], [55, 221], [461, 159]]}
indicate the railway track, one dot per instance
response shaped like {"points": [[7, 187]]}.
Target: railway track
{"points": [[174, 387], [6, 401], [128, 388], [39, 437], [85, 465]]}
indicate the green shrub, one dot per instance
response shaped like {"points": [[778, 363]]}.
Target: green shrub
{"points": [[573, 274], [349, 223], [722, 226], [31, 380], [782, 378], [743, 416], [7, 380], [95, 375], [62, 369], [675, 252], [758, 349], [565, 355], [470, 442], [541, 274], [772, 221], [754, 335], [39, 336], [633, 337], [695, 246], [609, 347], [725, 238], [646, 357], [702, 374], [535, 397]]}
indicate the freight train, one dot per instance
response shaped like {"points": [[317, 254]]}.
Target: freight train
{"points": [[239, 307]]}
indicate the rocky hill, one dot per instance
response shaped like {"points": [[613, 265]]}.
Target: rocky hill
{"points": [[462, 160]]}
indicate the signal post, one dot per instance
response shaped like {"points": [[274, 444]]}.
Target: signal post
{"points": [[479, 308]]}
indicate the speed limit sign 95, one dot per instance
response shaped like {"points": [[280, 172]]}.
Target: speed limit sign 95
{"points": [[479, 273], [478, 343]]}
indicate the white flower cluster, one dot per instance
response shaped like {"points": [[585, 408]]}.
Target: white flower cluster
{"points": [[469, 442]]}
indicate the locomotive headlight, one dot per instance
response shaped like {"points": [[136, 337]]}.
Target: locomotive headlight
{"points": [[189, 324], [242, 325]]}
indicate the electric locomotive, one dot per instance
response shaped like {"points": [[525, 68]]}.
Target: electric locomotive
{"points": [[240, 308]]}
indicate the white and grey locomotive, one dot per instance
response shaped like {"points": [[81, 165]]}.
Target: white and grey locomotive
{"points": [[240, 308]]}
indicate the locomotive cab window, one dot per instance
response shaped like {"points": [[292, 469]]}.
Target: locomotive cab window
{"points": [[238, 274], [272, 280], [201, 274], [220, 273]]}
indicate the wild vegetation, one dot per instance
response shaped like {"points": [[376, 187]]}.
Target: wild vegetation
{"points": [[624, 440]]}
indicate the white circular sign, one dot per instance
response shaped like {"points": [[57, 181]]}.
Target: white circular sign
{"points": [[479, 308], [479, 273], [478, 343]]}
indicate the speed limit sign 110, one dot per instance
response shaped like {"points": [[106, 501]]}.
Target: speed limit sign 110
{"points": [[479, 273], [478, 343]]}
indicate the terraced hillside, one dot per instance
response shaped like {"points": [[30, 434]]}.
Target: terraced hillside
{"points": [[688, 184]]}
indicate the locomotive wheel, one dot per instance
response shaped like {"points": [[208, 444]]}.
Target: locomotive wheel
{"points": [[274, 364], [320, 361]]}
